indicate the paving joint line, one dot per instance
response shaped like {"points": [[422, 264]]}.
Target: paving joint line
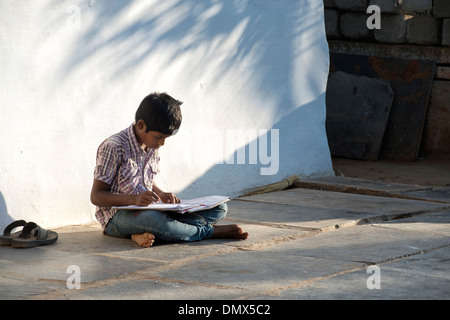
{"points": [[367, 192]]}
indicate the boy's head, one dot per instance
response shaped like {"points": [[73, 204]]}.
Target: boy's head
{"points": [[161, 113]]}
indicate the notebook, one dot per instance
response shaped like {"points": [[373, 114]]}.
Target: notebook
{"points": [[192, 205]]}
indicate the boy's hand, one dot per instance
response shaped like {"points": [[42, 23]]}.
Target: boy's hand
{"points": [[145, 198], [168, 197]]}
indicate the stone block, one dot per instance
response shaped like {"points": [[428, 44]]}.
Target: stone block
{"points": [[332, 23], [357, 112], [437, 130], [329, 3], [411, 81], [398, 6], [442, 73], [441, 8], [393, 29], [440, 55], [353, 26], [423, 30], [352, 5], [446, 32], [418, 6], [386, 6]]}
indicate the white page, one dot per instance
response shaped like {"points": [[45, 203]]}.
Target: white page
{"points": [[185, 205], [204, 203]]}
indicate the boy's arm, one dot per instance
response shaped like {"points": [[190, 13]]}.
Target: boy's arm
{"points": [[101, 196]]}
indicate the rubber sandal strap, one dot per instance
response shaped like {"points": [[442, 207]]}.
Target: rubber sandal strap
{"points": [[32, 230], [33, 235], [11, 226], [41, 233]]}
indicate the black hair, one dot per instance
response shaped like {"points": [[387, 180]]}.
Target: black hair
{"points": [[160, 112]]}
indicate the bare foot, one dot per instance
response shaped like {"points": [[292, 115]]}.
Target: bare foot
{"points": [[144, 239], [230, 231]]}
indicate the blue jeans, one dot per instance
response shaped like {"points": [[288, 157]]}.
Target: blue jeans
{"points": [[166, 225]]}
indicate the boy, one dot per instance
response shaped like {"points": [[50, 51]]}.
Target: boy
{"points": [[127, 163]]}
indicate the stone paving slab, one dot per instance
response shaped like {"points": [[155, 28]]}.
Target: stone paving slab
{"points": [[368, 244], [49, 263], [261, 270], [92, 240], [354, 183], [383, 189], [298, 216], [156, 289], [13, 286], [434, 222], [347, 201], [420, 277], [290, 270], [431, 194], [303, 244], [325, 209]]}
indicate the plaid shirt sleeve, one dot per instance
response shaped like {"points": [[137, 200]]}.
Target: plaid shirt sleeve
{"points": [[108, 162]]}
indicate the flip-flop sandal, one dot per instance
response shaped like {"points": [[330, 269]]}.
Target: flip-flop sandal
{"points": [[33, 236], [7, 236]]}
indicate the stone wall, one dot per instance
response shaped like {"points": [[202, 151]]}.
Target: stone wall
{"points": [[408, 29]]}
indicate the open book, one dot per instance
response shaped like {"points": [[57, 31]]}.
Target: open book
{"points": [[192, 205]]}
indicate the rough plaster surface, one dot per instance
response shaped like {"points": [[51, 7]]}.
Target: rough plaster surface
{"points": [[74, 74]]}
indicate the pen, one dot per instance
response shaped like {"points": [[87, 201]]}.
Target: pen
{"points": [[142, 187]]}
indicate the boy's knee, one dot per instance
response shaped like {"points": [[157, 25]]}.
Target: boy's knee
{"points": [[222, 211], [224, 207]]}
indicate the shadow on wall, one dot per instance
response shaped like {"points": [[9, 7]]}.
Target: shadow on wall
{"points": [[168, 30], [274, 155], [5, 218], [157, 27]]}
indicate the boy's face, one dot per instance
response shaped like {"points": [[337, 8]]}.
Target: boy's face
{"points": [[151, 139]]}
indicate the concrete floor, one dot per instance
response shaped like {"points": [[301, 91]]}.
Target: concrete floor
{"points": [[305, 243]]}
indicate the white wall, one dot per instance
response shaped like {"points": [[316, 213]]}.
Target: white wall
{"points": [[74, 72]]}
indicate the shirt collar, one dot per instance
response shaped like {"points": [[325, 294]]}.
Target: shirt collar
{"points": [[136, 145]]}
